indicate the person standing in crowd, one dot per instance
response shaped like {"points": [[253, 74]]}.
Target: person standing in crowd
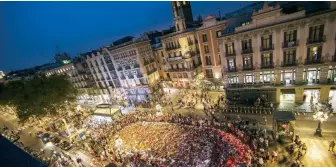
{"points": [[331, 146]]}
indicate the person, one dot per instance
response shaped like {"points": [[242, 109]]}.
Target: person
{"points": [[304, 148], [331, 145]]}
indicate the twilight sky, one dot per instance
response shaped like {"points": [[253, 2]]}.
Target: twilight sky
{"points": [[30, 31]]}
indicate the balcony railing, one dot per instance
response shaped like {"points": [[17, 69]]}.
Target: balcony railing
{"points": [[316, 40], [209, 76], [136, 66], [182, 69], [290, 44], [127, 67], [316, 61], [227, 54], [232, 69], [248, 68], [119, 69], [190, 43], [146, 62], [173, 48], [265, 66], [151, 71], [247, 51], [266, 48], [289, 64], [130, 76]]}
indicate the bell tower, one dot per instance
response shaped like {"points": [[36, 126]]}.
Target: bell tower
{"points": [[182, 15]]}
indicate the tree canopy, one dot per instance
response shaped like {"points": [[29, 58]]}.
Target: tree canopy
{"points": [[39, 95]]}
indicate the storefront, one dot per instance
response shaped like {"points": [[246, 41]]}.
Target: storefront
{"points": [[287, 95], [311, 95], [250, 95]]}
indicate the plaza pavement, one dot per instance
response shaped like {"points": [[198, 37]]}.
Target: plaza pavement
{"points": [[317, 147]]}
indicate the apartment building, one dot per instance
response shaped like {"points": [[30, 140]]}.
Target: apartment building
{"points": [[181, 57], [136, 68], [208, 43], [281, 56]]}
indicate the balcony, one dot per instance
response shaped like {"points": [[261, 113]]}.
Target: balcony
{"points": [[267, 48], [130, 76], [146, 62], [247, 51], [127, 67], [151, 60], [289, 64], [151, 71], [289, 44], [182, 69], [136, 66], [248, 68], [119, 69], [316, 40], [174, 58], [230, 54], [190, 43], [173, 48], [314, 61], [232, 69], [266, 66]]}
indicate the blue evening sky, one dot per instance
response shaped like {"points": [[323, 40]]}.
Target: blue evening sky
{"points": [[30, 31]]}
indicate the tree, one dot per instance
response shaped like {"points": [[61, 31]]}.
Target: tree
{"points": [[39, 95]]}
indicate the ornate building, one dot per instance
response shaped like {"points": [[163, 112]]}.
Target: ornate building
{"points": [[281, 56], [181, 57]]}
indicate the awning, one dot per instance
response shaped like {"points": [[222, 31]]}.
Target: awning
{"points": [[288, 91], [284, 116]]}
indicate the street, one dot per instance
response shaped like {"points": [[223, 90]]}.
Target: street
{"points": [[35, 143]]}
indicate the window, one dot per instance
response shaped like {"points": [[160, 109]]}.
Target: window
{"points": [[219, 33], [162, 54], [266, 59], [208, 60], [208, 73], [206, 49], [248, 78], [289, 56], [246, 44], [316, 32], [231, 64], [233, 79], [219, 59], [247, 62], [229, 48], [267, 76], [204, 37], [266, 42], [314, 53], [290, 36]]}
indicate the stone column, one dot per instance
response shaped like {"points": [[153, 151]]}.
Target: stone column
{"points": [[277, 76], [277, 95], [324, 74], [241, 78], [299, 75], [299, 94], [324, 94]]}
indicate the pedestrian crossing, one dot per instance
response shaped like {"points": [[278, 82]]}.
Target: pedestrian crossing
{"points": [[318, 154]]}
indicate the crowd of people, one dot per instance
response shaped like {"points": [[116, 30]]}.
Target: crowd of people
{"points": [[102, 133]]}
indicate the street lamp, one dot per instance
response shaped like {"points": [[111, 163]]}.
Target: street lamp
{"points": [[320, 116]]}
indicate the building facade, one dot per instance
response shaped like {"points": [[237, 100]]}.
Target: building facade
{"points": [[282, 57], [181, 60], [208, 43]]}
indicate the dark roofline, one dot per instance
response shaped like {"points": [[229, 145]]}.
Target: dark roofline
{"points": [[307, 16]]}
